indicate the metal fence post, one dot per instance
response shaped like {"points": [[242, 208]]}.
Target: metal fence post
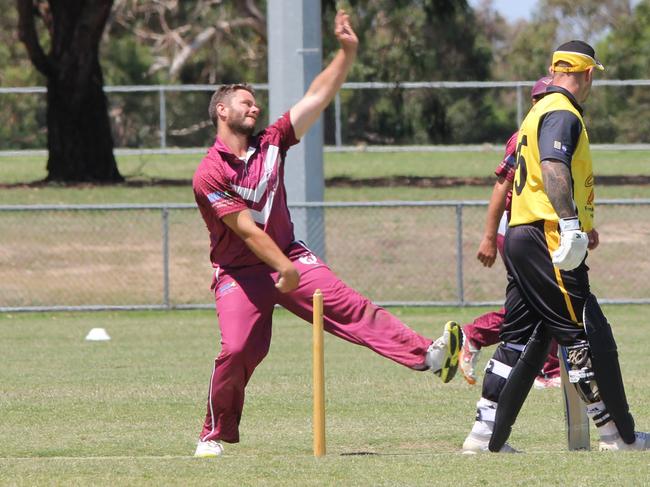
{"points": [[520, 108], [337, 120], [165, 251], [459, 253], [84, 291], [162, 118]]}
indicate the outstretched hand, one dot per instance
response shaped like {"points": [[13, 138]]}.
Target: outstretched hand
{"points": [[344, 32]]}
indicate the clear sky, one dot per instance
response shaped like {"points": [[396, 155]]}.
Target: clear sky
{"points": [[517, 9], [512, 9]]}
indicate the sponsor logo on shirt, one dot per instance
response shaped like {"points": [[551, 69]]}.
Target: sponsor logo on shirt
{"points": [[227, 288], [220, 198], [308, 259], [560, 146], [589, 181], [218, 195]]}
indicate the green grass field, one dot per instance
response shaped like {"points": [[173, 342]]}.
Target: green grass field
{"points": [[128, 411], [142, 171]]}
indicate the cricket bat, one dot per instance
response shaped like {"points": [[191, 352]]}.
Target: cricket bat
{"points": [[575, 411]]}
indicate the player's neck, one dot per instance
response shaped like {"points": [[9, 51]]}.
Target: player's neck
{"points": [[568, 83], [236, 142]]}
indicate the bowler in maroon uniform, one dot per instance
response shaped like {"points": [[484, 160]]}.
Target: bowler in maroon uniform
{"points": [[239, 188]]}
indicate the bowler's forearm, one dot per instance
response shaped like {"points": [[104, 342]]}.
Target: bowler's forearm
{"points": [[258, 241], [267, 251], [320, 93], [329, 81]]}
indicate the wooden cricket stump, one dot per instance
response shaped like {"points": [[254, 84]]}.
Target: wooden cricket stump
{"points": [[318, 376]]}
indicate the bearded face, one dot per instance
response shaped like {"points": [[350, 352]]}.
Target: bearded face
{"points": [[242, 113]]}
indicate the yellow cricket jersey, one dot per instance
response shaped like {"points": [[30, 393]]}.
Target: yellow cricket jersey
{"points": [[529, 200]]}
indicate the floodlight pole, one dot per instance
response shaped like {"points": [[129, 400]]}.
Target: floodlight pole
{"points": [[294, 60]]}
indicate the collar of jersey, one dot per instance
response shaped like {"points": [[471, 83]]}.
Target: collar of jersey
{"points": [[568, 94], [226, 152]]}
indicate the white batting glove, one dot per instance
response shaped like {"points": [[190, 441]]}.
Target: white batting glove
{"points": [[573, 245]]}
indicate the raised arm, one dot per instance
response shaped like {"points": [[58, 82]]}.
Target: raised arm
{"points": [[263, 246], [321, 91]]}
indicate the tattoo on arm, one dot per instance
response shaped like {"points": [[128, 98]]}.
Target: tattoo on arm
{"points": [[559, 187]]}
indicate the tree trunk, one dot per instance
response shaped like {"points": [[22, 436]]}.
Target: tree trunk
{"points": [[79, 133]]}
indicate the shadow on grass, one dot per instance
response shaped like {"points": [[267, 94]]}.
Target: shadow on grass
{"points": [[128, 183], [359, 454], [338, 181]]}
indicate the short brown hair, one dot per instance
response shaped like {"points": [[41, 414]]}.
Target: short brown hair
{"points": [[222, 94]]}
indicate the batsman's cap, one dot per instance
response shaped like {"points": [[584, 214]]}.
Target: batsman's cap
{"points": [[540, 86], [579, 55]]}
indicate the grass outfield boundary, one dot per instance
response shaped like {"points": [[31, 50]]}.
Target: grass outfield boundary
{"points": [[128, 411], [487, 147]]}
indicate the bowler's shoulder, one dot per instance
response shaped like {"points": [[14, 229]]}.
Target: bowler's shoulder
{"points": [[280, 130], [211, 169]]}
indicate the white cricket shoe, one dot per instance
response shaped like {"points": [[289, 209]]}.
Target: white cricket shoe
{"points": [[616, 443], [442, 355], [474, 444], [208, 449]]}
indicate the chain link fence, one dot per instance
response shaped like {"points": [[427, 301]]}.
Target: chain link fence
{"points": [[161, 117], [406, 253]]}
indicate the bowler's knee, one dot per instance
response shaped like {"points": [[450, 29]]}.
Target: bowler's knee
{"points": [[244, 353]]}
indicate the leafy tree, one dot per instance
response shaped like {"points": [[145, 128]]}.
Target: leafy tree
{"points": [[22, 120], [584, 19], [79, 135], [626, 55], [525, 52], [215, 41], [406, 40], [134, 115], [205, 41], [224, 41]]}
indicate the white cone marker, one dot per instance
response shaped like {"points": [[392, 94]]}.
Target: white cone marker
{"points": [[97, 335]]}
